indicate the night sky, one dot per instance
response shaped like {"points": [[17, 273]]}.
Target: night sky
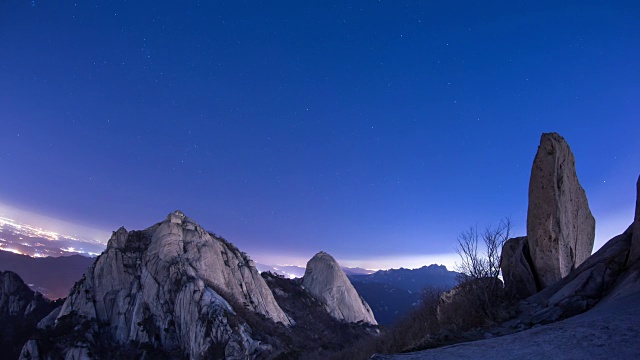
{"points": [[376, 131]]}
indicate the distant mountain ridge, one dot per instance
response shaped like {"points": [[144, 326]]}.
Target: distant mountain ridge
{"points": [[51, 276], [393, 293], [413, 280], [293, 271]]}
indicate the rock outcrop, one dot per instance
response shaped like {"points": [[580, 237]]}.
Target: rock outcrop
{"points": [[325, 280], [517, 268], [560, 227], [610, 272], [20, 310], [173, 288]]}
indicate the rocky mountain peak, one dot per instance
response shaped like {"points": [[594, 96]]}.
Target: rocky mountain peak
{"points": [[118, 238], [173, 286], [327, 282]]}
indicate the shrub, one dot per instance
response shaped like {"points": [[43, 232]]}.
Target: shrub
{"points": [[479, 298]]}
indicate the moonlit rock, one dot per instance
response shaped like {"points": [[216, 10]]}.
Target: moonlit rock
{"points": [[327, 282], [560, 227], [172, 286]]}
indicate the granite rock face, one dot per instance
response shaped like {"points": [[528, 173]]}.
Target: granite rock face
{"points": [[517, 268], [325, 281], [560, 227], [173, 287]]}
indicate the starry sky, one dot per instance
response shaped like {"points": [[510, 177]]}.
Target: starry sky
{"points": [[374, 130]]}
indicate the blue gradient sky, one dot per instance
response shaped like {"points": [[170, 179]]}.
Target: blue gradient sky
{"points": [[375, 131]]}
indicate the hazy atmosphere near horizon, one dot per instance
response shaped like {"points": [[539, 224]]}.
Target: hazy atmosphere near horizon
{"points": [[375, 131]]}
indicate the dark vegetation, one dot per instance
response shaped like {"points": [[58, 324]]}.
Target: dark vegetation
{"points": [[73, 330], [16, 330], [480, 295]]}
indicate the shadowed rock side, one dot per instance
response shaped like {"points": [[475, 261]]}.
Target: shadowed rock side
{"points": [[326, 282], [517, 268], [170, 288], [20, 310], [635, 243], [560, 227]]}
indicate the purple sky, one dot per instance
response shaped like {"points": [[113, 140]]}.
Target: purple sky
{"points": [[375, 131]]}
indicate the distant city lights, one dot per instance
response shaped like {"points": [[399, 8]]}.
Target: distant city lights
{"points": [[33, 231], [23, 239]]}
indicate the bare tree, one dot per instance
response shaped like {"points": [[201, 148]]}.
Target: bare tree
{"points": [[475, 263], [479, 295]]}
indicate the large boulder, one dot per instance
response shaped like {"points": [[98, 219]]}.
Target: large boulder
{"points": [[560, 227], [517, 268], [327, 282], [173, 288]]}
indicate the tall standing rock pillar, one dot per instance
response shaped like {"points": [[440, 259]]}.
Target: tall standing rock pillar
{"points": [[560, 227]]}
